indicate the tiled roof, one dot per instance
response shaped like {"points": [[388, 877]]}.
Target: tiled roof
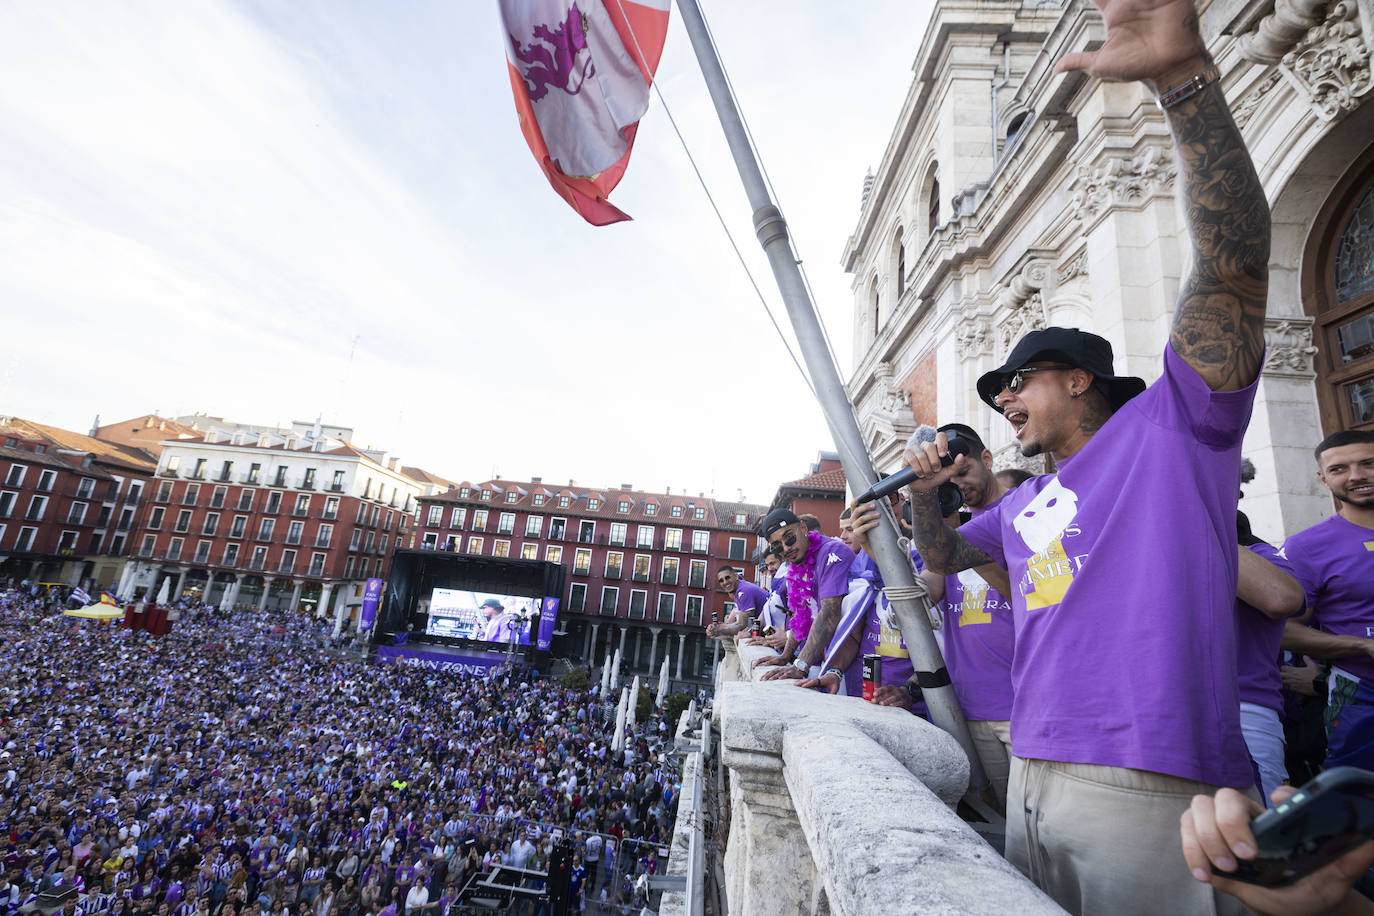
{"points": [[107, 453], [833, 479], [609, 507]]}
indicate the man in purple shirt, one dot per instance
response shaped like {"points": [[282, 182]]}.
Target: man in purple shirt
{"points": [[1334, 560], [817, 581], [500, 625], [749, 602], [1123, 566]]}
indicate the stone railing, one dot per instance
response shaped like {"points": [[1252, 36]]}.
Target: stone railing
{"points": [[838, 806]]}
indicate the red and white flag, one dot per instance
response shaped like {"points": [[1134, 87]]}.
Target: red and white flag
{"points": [[581, 73]]}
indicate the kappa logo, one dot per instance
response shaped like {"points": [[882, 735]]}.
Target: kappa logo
{"points": [[1041, 526], [834, 558]]}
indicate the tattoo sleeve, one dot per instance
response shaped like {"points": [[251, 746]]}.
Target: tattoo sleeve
{"points": [[822, 629], [1219, 326], [943, 549]]}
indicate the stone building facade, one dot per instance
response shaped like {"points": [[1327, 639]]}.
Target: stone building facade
{"points": [[1010, 197]]}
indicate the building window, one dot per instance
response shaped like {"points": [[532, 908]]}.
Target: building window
{"points": [[273, 503], [198, 473], [500, 549], [337, 484], [85, 487], [624, 506], [562, 502], [202, 552], [582, 561], [225, 470], [155, 518], [37, 506], [183, 521], [355, 539], [586, 532], [675, 512], [737, 548], [15, 477], [245, 500], [254, 474], [164, 491], [553, 554], [696, 574], [610, 596], [486, 494], [666, 604], [324, 535], [436, 516], [457, 517], [593, 504], [618, 530], [308, 481], [217, 497], [577, 597], [265, 529], [464, 492], [641, 570], [174, 548], [698, 513], [534, 526], [539, 499], [479, 520], [506, 523], [6, 505], [76, 514], [191, 495], [294, 532], [529, 552], [638, 600], [650, 509], [694, 606], [145, 550], [474, 545], [512, 496], [288, 561], [24, 542], [280, 479], [239, 526], [259, 561], [645, 536], [316, 564], [211, 524], [302, 504], [613, 561], [370, 541], [672, 539], [231, 554], [670, 567], [429, 541], [331, 507], [556, 528]]}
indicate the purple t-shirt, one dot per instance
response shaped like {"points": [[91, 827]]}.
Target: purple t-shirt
{"points": [[980, 641], [1123, 571], [1257, 645], [1334, 561], [832, 561], [750, 599], [868, 612]]}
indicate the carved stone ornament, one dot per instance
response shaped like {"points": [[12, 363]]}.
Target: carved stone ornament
{"points": [[1020, 306], [1245, 109], [1330, 64], [1121, 181], [1276, 34], [892, 398], [1288, 347], [1074, 267], [973, 338]]}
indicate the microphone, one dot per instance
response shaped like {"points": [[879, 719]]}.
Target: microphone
{"points": [[894, 482]]}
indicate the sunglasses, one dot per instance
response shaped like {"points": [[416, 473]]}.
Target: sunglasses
{"points": [[1015, 381], [786, 540]]}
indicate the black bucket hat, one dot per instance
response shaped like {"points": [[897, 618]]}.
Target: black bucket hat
{"points": [[1079, 349]]}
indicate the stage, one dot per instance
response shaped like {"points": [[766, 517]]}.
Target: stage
{"points": [[438, 657]]}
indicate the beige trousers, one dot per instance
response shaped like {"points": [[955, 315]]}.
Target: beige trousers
{"points": [[992, 742], [1105, 840]]}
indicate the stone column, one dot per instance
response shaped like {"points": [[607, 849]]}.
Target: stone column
{"points": [[326, 592], [623, 633], [266, 587], [181, 583], [209, 584], [341, 612], [639, 636], [296, 594], [590, 654], [231, 595], [681, 639], [653, 649]]}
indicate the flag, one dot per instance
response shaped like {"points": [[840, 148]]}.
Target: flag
{"points": [[581, 73], [80, 595], [107, 598]]}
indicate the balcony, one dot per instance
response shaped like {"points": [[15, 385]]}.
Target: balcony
{"points": [[611, 574], [256, 565], [316, 571], [251, 479], [640, 576], [181, 528], [791, 757], [33, 515], [322, 542], [307, 485], [173, 553], [225, 478], [329, 514], [132, 499], [284, 567], [217, 502], [301, 512], [168, 472], [582, 570], [123, 525], [335, 488], [666, 579]]}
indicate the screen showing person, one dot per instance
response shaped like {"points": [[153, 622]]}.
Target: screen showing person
{"points": [[485, 616]]}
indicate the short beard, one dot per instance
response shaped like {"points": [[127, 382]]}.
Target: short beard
{"points": [[1031, 449], [1342, 498]]}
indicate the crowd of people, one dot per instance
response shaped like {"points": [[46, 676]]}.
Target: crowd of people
{"points": [[1138, 669], [234, 767]]}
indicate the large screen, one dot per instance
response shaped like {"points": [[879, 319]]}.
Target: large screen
{"points": [[485, 616]]}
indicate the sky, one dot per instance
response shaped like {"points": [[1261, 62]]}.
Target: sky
{"points": [[272, 211]]}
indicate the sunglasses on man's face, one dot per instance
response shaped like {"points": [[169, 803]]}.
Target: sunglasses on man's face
{"points": [[1013, 382], [786, 540]]}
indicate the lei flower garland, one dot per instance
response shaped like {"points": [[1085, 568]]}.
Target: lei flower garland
{"points": [[801, 587]]}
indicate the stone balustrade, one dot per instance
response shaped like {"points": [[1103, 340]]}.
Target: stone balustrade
{"points": [[838, 806]]}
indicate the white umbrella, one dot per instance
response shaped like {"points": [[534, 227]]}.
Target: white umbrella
{"points": [[618, 741], [633, 710], [662, 684], [165, 592], [615, 671], [606, 676]]}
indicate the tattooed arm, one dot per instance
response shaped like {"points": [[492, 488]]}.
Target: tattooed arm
{"points": [[943, 549], [1219, 326]]}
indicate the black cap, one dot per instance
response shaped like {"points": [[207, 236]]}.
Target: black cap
{"points": [[493, 602], [1079, 349], [778, 518]]}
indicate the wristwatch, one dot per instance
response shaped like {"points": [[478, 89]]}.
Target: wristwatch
{"points": [[913, 691]]}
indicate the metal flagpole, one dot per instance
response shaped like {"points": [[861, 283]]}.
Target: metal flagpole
{"points": [[771, 229]]}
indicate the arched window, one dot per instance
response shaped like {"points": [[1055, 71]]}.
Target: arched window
{"points": [[1014, 128], [899, 254], [1341, 288], [876, 315], [933, 201]]}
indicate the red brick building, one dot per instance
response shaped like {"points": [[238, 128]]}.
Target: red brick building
{"points": [[820, 493], [641, 566], [67, 503]]}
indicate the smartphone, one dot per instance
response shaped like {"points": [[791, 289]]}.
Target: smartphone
{"points": [[1322, 821]]}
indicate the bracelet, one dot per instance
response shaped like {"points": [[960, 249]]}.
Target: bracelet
{"points": [[1189, 87], [835, 671]]}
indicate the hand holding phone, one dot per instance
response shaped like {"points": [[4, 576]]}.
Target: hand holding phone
{"points": [[1302, 856]]}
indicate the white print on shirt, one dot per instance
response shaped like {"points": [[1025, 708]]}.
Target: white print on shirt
{"points": [[1042, 525], [973, 607]]}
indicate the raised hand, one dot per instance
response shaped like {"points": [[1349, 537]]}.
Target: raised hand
{"points": [[1153, 40]]}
